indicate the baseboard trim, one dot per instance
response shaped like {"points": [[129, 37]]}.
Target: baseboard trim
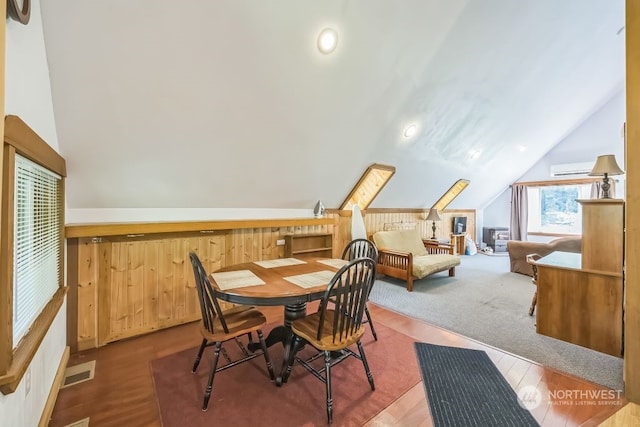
{"points": [[55, 388]]}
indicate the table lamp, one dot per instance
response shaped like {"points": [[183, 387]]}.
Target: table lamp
{"points": [[606, 165], [433, 216]]}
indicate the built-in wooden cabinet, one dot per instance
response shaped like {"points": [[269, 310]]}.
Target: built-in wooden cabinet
{"points": [[309, 245], [124, 285], [580, 296], [602, 234]]}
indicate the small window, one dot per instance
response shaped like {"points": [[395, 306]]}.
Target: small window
{"points": [[553, 209], [31, 250], [37, 236]]}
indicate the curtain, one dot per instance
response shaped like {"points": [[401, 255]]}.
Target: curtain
{"points": [[519, 212]]}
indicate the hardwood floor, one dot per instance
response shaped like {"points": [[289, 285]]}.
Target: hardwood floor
{"points": [[122, 393]]}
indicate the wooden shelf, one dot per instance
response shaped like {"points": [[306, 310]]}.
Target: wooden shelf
{"points": [[309, 245], [123, 229]]}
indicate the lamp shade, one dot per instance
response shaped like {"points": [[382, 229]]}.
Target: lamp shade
{"points": [[606, 165], [433, 215]]}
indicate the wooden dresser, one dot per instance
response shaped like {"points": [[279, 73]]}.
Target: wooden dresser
{"points": [[580, 296]]}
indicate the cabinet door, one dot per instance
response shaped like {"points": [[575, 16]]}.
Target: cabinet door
{"points": [[602, 234]]}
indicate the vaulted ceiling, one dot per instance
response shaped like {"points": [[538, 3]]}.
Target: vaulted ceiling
{"points": [[229, 104]]}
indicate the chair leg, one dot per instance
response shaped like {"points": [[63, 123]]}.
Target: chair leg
{"points": [[294, 346], [327, 369], [265, 352], [214, 366], [199, 356], [533, 303], [373, 330], [366, 366]]}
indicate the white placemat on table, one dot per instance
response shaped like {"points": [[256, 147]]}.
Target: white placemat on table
{"points": [[236, 279], [311, 280], [333, 262], [283, 262]]}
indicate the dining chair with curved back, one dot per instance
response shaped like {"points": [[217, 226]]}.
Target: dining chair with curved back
{"points": [[219, 326], [333, 330], [358, 248]]}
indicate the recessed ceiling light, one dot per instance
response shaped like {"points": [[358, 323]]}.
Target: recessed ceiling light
{"points": [[522, 148], [410, 130], [327, 40]]}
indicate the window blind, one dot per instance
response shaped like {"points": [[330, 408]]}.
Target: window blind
{"points": [[37, 234]]}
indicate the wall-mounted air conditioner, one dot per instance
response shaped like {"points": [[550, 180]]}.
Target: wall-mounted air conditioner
{"points": [[571, 169]]}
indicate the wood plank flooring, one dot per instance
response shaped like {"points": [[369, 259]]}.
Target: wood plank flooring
{"points": [[122, 393]]}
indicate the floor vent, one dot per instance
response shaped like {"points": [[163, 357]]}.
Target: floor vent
{"points": [[79, 373], [81, 423]]}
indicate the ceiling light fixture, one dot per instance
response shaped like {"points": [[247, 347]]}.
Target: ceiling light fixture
{"points": [[327, 40], [410, 130]]}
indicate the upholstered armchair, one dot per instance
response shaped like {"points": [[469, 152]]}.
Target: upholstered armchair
{"points": [[518, 251]]}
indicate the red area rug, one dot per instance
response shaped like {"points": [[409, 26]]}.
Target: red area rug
{"points": [[244, 395]]}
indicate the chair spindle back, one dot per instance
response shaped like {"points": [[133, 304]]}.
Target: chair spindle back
{"points": [[359, 248], [209, 305], [348, 290]]}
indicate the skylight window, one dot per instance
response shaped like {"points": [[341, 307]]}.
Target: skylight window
{"points": [[451, 194], [370, 184]]}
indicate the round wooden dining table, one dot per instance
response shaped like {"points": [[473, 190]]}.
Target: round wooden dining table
{"points": [[278, 287]]}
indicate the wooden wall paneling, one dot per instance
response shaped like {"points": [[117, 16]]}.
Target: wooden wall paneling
{"points": [[179, 251], [88, 277], [165, 280], [135, 284], [118, 315], [104, 292], [72, 294], [268, 248], [235, 249], [188, 283], [375, 220], [342, 235], [256, 241], [151, 283], [246, 249]]}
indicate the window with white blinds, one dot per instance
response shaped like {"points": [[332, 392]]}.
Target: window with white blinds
{"points": [[37, 236]]}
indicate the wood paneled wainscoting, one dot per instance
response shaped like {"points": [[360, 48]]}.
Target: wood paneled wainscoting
{"points": [[129, 280], [376, 219]]}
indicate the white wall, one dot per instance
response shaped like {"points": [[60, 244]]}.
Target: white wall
{"points": [[79, 216], [20, 409], [28, 95], [600, 134]]}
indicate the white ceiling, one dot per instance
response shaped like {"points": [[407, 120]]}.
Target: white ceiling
{"points": [[228, 103]]}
